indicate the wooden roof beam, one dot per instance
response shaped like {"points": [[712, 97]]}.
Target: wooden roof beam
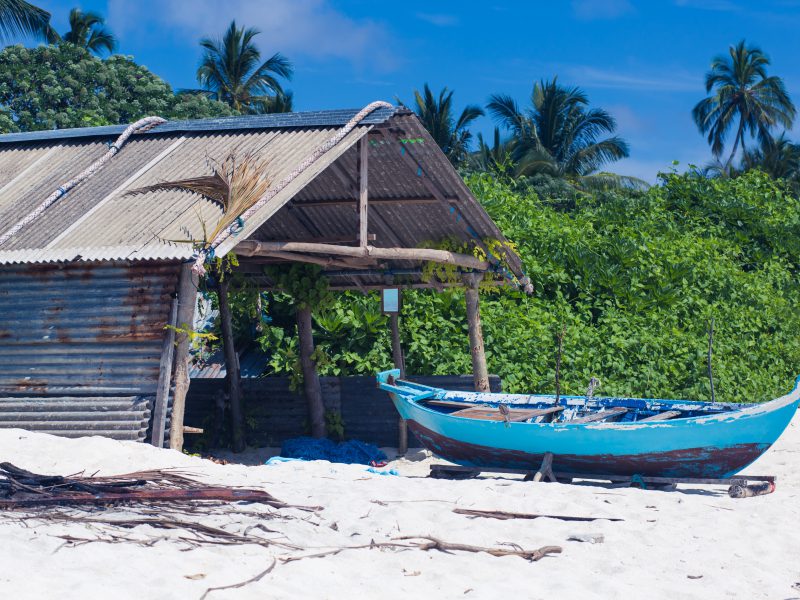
{"points": [[256, 248], [323, 261]]}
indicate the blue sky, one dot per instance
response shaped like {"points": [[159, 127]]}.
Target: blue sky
{"points": [[643, 61]]}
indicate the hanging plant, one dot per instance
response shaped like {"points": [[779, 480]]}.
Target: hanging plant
{"points": [[303, 283]]}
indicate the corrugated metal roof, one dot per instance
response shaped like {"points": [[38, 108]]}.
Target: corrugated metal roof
{"points": [[315, 119], [98, 221]]}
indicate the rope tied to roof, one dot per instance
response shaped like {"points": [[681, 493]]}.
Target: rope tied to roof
{"points": [[208, 251], [138, 127]]}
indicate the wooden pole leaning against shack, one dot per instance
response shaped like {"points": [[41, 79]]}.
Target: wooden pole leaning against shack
{"points": [[164, 375], [187, 301], [231, 366], [479, 369]]}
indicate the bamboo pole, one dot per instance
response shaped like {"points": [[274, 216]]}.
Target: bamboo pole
{"points": [[559, 352], [710, 350], [187, 300], [399, 363], [256, 248], [311, 384], [231, 367], [363, 192], [479, 369]]}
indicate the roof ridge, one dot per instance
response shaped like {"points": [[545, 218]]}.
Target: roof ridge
{"points": [[305, 119]]}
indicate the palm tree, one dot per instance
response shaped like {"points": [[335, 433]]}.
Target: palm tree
{"points": [[438, 116], [88, 30], [232, 70], [20, 18], [558, 134], [743, 91], [282, 102], [495, 158], [777, 157]]}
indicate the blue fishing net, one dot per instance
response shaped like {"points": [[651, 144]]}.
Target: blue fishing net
{"points": [[350, 452]]}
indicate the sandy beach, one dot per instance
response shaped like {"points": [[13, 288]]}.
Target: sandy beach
{"points": [[693, 543]]}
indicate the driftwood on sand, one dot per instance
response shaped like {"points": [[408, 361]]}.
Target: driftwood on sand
{"points": [[163, 506], [21, 489], [502, 515]]}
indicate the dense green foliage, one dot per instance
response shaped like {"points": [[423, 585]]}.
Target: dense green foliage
{"points": [[54, 87], [634, 276]]}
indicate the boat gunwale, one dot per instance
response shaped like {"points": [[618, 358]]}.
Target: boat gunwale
{"points": [[747, 410]]}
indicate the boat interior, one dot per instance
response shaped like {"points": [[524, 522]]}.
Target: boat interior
{"points": [[528, 408]]}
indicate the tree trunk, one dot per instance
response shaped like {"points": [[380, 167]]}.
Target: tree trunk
{"points": [[232, 369], [739, 136], [479, 370], [311, 385]]}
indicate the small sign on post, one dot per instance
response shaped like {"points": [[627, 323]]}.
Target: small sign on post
{"points": [[390, 301]]}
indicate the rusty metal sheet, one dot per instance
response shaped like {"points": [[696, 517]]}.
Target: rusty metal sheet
{"points": [[79, 339]]}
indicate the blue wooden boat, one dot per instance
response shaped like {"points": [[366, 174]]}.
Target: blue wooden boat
{"points": [[594, 435]]}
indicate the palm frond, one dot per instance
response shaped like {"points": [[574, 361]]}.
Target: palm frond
{"points": [[20, 18], [610, 181], [236, 184]]}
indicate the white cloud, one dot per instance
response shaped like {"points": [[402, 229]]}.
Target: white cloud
{"points": [[601, 9], [311, 28], [627, 120], [718, 5], [590, 77], [439, 20]]}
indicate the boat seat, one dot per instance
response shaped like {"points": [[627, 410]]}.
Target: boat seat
{"points": [[515, 414], [662, 416], [600, 416]]}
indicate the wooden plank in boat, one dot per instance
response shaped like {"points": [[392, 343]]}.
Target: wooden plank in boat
{"points": [[450, 403], [663, 416], [515, 414], [599, 416]]}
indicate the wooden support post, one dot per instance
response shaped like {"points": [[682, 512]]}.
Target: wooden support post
{"points": [[164, 376], [399, 363], [187, 300], [546, 470], [231, 367], [363, 192], [479, 369], [311, 385]]}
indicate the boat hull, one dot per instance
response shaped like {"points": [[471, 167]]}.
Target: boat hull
{"points": [[688, 462], [718, 445]]}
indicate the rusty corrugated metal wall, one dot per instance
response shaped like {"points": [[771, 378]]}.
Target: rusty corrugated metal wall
{"points": [[80, 345]]}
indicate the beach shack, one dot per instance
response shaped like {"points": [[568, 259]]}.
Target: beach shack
{"points": [[96, 283]]}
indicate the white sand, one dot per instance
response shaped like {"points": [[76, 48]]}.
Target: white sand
{"points": [[696, 543]]}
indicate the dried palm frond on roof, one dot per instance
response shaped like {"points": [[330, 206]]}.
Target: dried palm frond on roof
{"points": [[235, 184]]}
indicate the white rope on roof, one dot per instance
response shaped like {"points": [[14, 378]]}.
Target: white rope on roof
{"points": [[137, 127], [273, 191]]}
